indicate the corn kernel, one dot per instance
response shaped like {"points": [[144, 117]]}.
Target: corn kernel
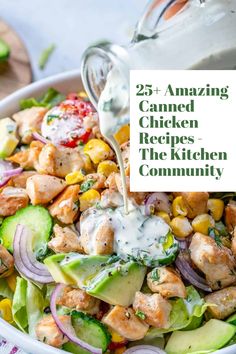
{"points": [[107, 167], [97, 150], [181, 226], [120, 350], [82, 94], [5, 310], [216, 208], [164, 216], [11, 281], [123, 134], [88, 199], [116, 337], [179, 207], [201, 223], [74, 177]]}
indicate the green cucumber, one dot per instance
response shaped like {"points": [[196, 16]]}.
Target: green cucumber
{"points": [[90, 331], [37, 219], [232, 319], [4, 50]]}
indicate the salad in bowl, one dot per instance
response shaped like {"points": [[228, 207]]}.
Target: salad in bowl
{"points": [[77, 272]]}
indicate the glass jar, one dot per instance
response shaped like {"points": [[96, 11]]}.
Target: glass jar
{"points": [[172, 34]]}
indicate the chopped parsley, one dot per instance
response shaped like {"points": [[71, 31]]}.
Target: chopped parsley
{"points": [[45, 55], [140, 314], [85, 186], [155, 274]]}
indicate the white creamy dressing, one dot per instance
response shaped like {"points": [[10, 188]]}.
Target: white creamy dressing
{"points": [[133, 233], [113, 108]]}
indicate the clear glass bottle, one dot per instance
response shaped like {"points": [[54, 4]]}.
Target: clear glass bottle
{"points": [[172, 34]]}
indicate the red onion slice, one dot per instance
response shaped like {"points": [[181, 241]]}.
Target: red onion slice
{"points": [[144, 349], [157, 201], [14, 172], [22, 261], [4, 166], [40, 138], [69, 332], [189, 274]]}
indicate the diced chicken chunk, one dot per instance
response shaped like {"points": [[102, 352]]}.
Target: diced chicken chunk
{"points": [[28, 158], [167, 282], [78, 299], [12, 199], [195, 202], [65, 208], [233, 243], [65, 240], [61, 161], [96, 239], [6, 262], [29, 120], [154, 309], [230, 215], [91, 122], [222, 302], [20, 180], [97, 180], [111, 199], [42, 189], [215, 261], [124, 321], [48, 332]]}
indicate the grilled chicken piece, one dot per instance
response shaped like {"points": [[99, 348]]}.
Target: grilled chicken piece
{"points": [[78, 299], [215, 261], [48, 332], [97, 179], [12, 199], [96, 239], [65, 240], [28, 159], [29, 120], [233, 243], [111, 199], [65, 208], [124, 321], [20, 180], [222, 303], [196, 202], [154, 309], [42, 189], [6, 262], [167, 282], [60, 161], [91, 122], [230, 215]]}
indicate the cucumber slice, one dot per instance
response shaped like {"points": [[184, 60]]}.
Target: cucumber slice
{"points": [[232, 319], [4, 50], [37, 219], [90, 331]]}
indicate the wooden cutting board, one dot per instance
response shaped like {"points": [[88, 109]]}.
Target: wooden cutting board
{"points": [[16, 72]]}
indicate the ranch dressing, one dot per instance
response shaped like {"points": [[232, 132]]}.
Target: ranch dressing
{"points": [[133, 233], [113, 114]]}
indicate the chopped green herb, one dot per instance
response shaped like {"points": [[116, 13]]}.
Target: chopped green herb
{"points": [[107, 105], [155, 274], [140, 314], [51, 98], [51, 117], [87, 185], [45, 55], [113, 259], [218, 241]]}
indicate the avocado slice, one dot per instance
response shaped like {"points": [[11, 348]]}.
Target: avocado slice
{"points": [[82, 268], [212, 336], [8, 139], [53, 265], [118, 283]]}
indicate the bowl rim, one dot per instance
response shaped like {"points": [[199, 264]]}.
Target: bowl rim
{"points": [[6, 330]]}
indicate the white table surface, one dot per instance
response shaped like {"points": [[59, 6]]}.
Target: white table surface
{"points": [[71, 24]]}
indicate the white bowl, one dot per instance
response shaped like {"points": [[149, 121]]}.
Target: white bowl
{"points": [[66, 82]]}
